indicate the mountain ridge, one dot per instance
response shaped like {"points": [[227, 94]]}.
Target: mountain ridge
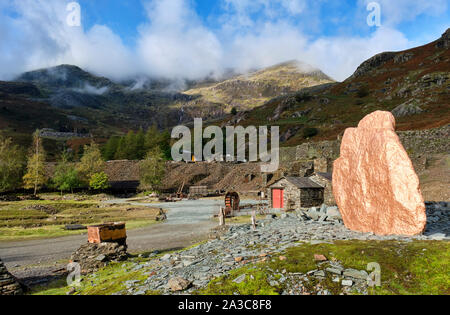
{"points": [[253, 89], [414, 84], [410, 83]]}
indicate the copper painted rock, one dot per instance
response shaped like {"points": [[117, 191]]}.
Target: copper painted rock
{"points": [[374, 182]]}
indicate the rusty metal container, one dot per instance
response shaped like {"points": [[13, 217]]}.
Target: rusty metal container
{"points": [[108, 232]]}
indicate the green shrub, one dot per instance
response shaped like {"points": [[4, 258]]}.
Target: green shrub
{"points": [[99, 181], [12, 165], [66, 179], [152, 170]]}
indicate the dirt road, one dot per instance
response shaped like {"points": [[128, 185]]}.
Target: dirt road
{"points": [[159, 236], [187, 222]]}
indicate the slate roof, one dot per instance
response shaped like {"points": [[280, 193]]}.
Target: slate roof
{"points": [[300, 182], [328, 176]]}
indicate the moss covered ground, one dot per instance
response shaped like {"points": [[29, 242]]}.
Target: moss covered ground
{"points": [[412, 268], [406, 268]]}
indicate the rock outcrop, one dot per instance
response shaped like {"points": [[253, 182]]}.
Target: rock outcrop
{"points": [[373, 63], [407, 109], [444, 41], [374, 182], [8, 284]]}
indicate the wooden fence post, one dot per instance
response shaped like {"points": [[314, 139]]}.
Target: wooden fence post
{"points": [[254, 220], [221, 217]]}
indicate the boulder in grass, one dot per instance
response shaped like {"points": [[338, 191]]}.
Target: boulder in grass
{"points": [[178, 284]]}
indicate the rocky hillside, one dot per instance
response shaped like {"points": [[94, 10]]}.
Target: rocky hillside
{"points": [[413, 84], [304, 102], [250, 90], [68, 98], [100, 102], [65, 76], [22, 112]]}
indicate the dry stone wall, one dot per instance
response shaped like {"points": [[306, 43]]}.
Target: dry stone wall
{"points": [[328, 192], [419, 144], [8, 284]]}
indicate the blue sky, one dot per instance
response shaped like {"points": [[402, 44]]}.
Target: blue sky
{"points": [[336, 17], [194, 38]]}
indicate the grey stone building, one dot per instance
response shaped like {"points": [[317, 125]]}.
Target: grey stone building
{"points": [[290, 193], [325, 180]]}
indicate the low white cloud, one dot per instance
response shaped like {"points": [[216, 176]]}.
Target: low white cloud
{"points": [[271, 44], [40, 37], [89, 89], [174, 43], [337, 56], [340, 56]]}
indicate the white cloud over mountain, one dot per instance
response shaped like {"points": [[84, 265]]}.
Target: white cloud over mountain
{"points": [[176, 43]]}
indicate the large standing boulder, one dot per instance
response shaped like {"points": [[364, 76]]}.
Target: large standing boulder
{"points": [[374, 182]]}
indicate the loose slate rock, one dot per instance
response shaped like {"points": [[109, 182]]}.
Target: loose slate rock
{"points": [[239, 279], [356, 274], [334, 270], [374, 182], [347, 283]]}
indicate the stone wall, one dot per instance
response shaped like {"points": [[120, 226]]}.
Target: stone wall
{"points": [[431, 141], [418, 143], [426, 142], [287, 154], [314, 150], [323, 165], [311, 197], [8, 284], [301, 168], [328, 192]]}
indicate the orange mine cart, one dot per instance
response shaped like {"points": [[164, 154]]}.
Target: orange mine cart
{"points": [[108, 232]]}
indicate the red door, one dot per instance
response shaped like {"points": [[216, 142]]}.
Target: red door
{"points": [[277, 198]]}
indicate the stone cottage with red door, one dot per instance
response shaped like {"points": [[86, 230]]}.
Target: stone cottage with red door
{"points": [[290, 193]]}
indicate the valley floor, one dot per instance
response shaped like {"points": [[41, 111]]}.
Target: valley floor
{"points": [[276, 258], [286, 255]]}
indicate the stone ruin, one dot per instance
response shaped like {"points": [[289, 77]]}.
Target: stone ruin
{"points": [[93, 257], [8, 283], [374, 182]]}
